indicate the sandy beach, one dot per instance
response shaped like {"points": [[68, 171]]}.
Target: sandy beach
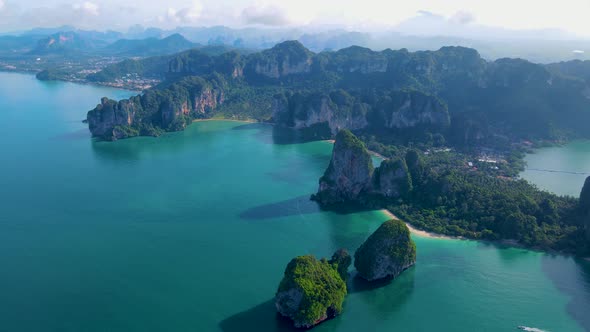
{"points": [[419, 232], [221, 119]]}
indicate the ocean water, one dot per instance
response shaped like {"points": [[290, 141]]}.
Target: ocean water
{"points": [[192, 231], [560, 169]]}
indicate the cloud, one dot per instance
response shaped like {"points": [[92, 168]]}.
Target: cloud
{"points": [[462, 17], [267, 15], [184, 15], [87, 7], [2, 4]]}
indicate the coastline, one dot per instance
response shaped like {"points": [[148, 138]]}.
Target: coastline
{"points": [[224, 119], [81, 82], [419, 232]]}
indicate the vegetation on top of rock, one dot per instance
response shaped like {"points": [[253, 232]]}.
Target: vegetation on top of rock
{"points": [[49, 75], [451, 93], [312, 290], [341, 260], [386, 253]]}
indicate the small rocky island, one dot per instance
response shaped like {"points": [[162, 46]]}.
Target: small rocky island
{"points": [[313, 290], [386, 253]]}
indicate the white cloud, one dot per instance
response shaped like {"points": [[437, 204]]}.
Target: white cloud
{"points": [[462, 17], [185, 15], [87, 8], [266, 15], [2, 4]]}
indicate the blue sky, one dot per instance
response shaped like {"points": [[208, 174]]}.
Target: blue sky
{"points": [[567, 15]]}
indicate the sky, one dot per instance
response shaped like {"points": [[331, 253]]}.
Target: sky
{"points": [[424, 16]]}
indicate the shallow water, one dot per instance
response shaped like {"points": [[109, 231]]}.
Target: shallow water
{"points": [[192, 231]]}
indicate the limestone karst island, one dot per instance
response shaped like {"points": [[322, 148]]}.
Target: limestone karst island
{"points": [[335, 166]]}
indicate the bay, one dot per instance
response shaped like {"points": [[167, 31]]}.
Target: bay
{"points": [[560, 169], [192, 231]]}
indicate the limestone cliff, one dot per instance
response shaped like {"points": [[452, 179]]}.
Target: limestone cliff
{"points": [[339, 109], [350, 171], [168, 109], [409, 109], [287, 58], [386, 253], [392, 178], [109, 116], [312, 290]]}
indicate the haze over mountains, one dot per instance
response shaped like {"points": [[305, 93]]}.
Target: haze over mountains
{"points": [[424, 32]]}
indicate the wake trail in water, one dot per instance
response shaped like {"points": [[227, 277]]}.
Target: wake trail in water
{"points": [[531, 329]]}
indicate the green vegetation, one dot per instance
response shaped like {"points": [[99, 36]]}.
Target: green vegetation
{"points": [[50, 75], [320, 286], [341, 260], [387, 252], [451, 199]]}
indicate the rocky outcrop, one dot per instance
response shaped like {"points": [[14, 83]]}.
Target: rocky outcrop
{"points": [[341, 260], [312, 290], [393, 111], [169, 109], [409, 109], [392, 178], [349, 173], [287, 58], [338, 110], [109, 115], [351, 177], [386, 253]]}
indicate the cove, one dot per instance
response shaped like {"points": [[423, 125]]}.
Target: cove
{"points": [[192, 231]]}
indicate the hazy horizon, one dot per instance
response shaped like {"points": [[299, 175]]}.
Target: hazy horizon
{"points": [[456, 18]]}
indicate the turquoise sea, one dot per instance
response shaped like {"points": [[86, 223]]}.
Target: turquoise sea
{"points": [[560, 169], [192, 231]]}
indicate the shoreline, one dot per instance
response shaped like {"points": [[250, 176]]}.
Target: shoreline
{"points": [[223, 119], [419, 232]]}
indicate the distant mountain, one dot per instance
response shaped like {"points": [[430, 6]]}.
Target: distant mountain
{"points": [[18, 44], [150, 46], [195, 61], [65, 43], [573, 69], [553, 47]]}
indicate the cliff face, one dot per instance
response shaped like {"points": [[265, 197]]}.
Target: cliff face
{"points": [[301, 111], [168, 109], [340, 110], [350, 171], [287, 58], [392, 178], [312, 290], [350, 174], [413, 109], [386, 253], [110, 114]]}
